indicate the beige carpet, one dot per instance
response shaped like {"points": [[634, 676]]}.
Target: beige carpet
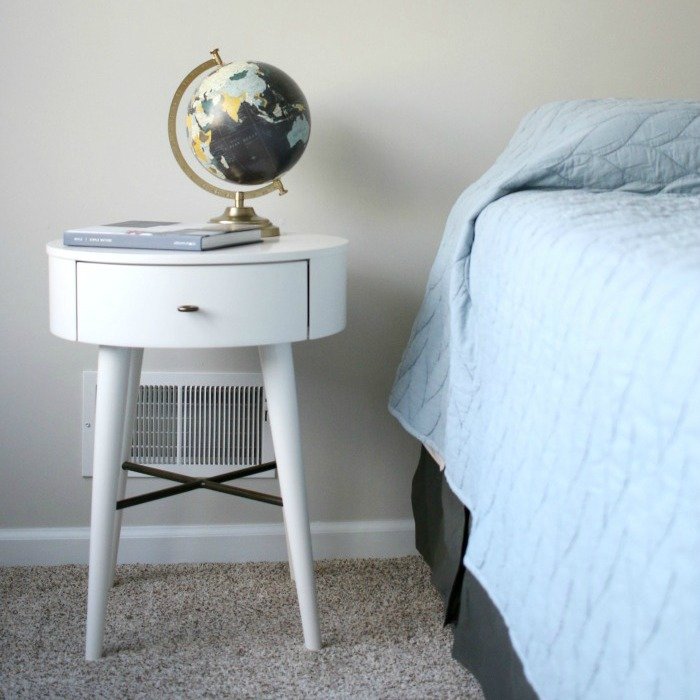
{"points": [[229, 630]]}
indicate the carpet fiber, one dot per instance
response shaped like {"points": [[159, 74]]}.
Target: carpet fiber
{"points": [[229, 630]]}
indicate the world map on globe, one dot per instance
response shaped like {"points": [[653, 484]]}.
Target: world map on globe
{"points": [[248, 122]]}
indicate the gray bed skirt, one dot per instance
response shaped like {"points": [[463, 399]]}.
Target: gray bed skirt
{"points": [[481, 640]]}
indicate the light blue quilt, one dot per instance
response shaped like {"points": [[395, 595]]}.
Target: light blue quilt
{"points": [[555, 366]]}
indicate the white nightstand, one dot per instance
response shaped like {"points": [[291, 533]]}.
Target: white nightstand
{"points": [[268, 294]]}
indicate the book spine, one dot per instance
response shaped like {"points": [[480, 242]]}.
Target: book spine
{"points": [[231, 239], [133, 242]]}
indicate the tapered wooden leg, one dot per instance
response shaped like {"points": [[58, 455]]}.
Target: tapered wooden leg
{"points": [[132, 395], [112, 380], [280, 387]]}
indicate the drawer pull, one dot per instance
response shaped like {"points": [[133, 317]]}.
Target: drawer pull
{"points": [[188, 307]]}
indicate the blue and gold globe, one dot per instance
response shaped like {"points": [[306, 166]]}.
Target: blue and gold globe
{"points": [[248, 122]]}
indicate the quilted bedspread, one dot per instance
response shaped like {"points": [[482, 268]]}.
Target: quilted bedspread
{"points": [[555, 367]]}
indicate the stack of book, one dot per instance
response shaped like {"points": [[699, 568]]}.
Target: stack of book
{"points": [[160, 235]]}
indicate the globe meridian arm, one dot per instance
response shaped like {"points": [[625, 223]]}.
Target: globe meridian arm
{"points": [[172, 131]]}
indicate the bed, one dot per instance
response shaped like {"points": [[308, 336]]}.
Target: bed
{"points": [[553, 377]]}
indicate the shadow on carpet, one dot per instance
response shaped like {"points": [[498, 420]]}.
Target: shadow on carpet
{"points": [[229, 630]]}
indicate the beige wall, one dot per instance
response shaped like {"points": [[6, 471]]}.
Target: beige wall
{"points": [[410, 102]]}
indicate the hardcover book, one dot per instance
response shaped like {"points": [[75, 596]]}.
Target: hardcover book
{"points": [[160, 235]]}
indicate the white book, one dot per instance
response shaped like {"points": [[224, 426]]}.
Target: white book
{"points": [[160, 235]]}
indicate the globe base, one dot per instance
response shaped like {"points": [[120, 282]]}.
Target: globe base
{"points": [[241, 218]]}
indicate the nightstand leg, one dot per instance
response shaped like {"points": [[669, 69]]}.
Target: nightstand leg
{"points": [[280, 387], [132, 395], [112, 379]]}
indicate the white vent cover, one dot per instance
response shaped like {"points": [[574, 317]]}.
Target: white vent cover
{"points": [[199, 424]]}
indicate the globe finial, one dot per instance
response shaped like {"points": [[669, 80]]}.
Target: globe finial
{"points": [[217, 58]]}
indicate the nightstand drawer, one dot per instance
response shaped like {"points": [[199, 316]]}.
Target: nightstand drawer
{"points": [[230, 305]]}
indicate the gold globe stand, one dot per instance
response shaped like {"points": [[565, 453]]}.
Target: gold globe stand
{"points": [[241, 216], [237, 217]]}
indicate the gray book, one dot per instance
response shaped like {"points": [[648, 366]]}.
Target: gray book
{"points": [[160, 235]]}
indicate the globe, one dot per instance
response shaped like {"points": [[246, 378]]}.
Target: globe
{"points": [[248, 122]]}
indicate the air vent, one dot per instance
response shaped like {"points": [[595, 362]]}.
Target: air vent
{"points": [[198, 424]]}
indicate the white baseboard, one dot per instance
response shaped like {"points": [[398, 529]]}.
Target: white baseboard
{"points": [[209, 543]]}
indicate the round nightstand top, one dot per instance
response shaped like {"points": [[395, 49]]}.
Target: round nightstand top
{"points": [[287, 247]]}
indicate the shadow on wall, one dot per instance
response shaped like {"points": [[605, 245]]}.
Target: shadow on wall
{"points": [[347, 379], [367, 181], [358, 366]]}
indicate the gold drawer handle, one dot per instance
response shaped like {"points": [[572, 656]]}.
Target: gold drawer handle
{"points": [[188, 307]]}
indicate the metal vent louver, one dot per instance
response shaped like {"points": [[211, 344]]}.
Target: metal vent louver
{"points": [[155, 438], [197, 423]]}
